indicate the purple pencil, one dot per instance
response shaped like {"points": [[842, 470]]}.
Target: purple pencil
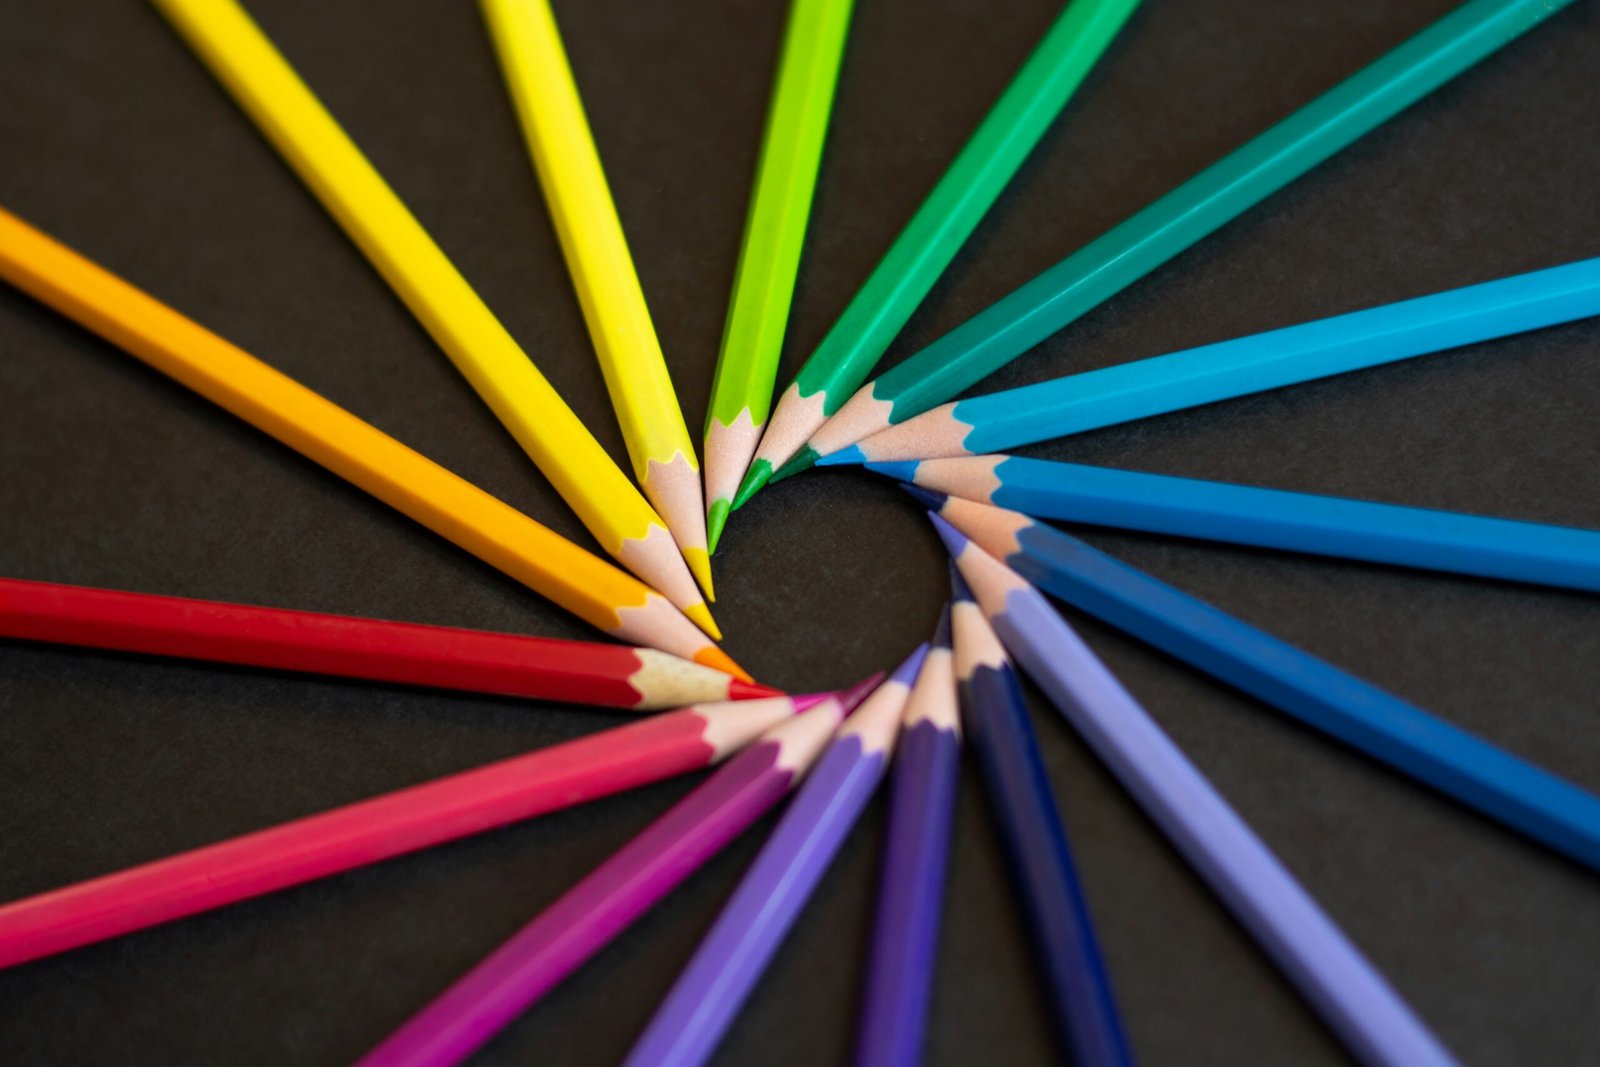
{"points": [[702, 1003], [590, 914], [1350, 994], [927, 771]]}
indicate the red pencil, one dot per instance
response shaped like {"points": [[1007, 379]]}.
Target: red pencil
{"points": [[367, 831], [574, 672]]}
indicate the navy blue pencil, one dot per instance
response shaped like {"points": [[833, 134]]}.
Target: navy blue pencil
{"points": [[1002, 739], [905, 935], [1453, 761]]}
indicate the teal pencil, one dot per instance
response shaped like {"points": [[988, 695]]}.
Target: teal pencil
{"points": [[763, 285], [1209, 200], [922, 251]]}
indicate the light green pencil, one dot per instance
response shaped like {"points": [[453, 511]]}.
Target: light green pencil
{"points": [[763, 285], [954, 207]]}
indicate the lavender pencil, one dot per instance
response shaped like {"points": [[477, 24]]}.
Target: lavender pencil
{"points": [[1035, 842], [923, 783], [1349, 993], [702, 1003], [590, 914]]}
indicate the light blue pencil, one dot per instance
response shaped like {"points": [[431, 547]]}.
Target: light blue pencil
{"points": [[1077, 403]]}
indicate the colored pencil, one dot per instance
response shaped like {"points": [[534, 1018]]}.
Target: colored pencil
{"points": [[442, 657], [1076, 403], [905, 932], [1198, 207], [363, 455], [1561, 556], [1353, 998], [604, 903], [417, 817], [545, 93], [1414, 742], [697, 1011], [769, 260], [311, 141], [1029, 825], [960, 199]]}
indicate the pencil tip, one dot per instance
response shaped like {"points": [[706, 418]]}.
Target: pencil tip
{"points": [[846, 455], [699, 561], [953, 538], [901, 470], [801, 460], [712, 656], [759, 474], [928, 498], [716, 519], [739, 689], [700, 615]]}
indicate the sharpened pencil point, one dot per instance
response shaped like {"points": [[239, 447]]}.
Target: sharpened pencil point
{"points": [[712, 656], [928, 498], [716, 519], [739, 689], [700, 615], [699, 561], [848, 455], [901, 470], [954, 540], [801, 461], [941, 633], [759, 474]]}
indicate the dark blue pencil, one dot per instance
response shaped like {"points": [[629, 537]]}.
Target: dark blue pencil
{"points": [[905, 936], [1561, 556], [1455, 762], [996, 721]]}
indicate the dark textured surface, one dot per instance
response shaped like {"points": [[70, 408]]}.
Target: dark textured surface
{"points": [[113, 138]]}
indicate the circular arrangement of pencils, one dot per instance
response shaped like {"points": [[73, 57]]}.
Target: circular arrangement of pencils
{"points": [[1080, 656]]}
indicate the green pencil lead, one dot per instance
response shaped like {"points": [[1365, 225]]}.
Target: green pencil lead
{"points": [[759, 474], [716, 518]]}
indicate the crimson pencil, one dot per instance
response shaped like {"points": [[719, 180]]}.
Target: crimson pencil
{"points": [[561, 776], [477, 661]]}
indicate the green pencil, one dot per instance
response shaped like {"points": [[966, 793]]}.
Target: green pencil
{"points": [[763, 284], [963, 195], [1212, 198]]}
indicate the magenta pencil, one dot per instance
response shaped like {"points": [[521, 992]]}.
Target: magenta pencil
{"points": [[592, 913], [379, 828]]}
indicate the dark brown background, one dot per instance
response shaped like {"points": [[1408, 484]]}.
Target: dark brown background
{"points": [[113, 138]]}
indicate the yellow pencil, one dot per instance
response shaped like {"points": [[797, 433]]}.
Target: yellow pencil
{"points": [[311, 141], [452, 507], [568, 164]]}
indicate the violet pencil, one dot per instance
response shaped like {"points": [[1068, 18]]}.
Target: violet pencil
{"points": [[697, 1011], [592, 913]]}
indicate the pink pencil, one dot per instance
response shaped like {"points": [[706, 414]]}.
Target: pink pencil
{"points": [[593, 912], [367, 831]]}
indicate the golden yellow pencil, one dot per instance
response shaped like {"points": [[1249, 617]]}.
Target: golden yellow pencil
{"points": [[575, 188], [263, 83], [452, 507]]}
